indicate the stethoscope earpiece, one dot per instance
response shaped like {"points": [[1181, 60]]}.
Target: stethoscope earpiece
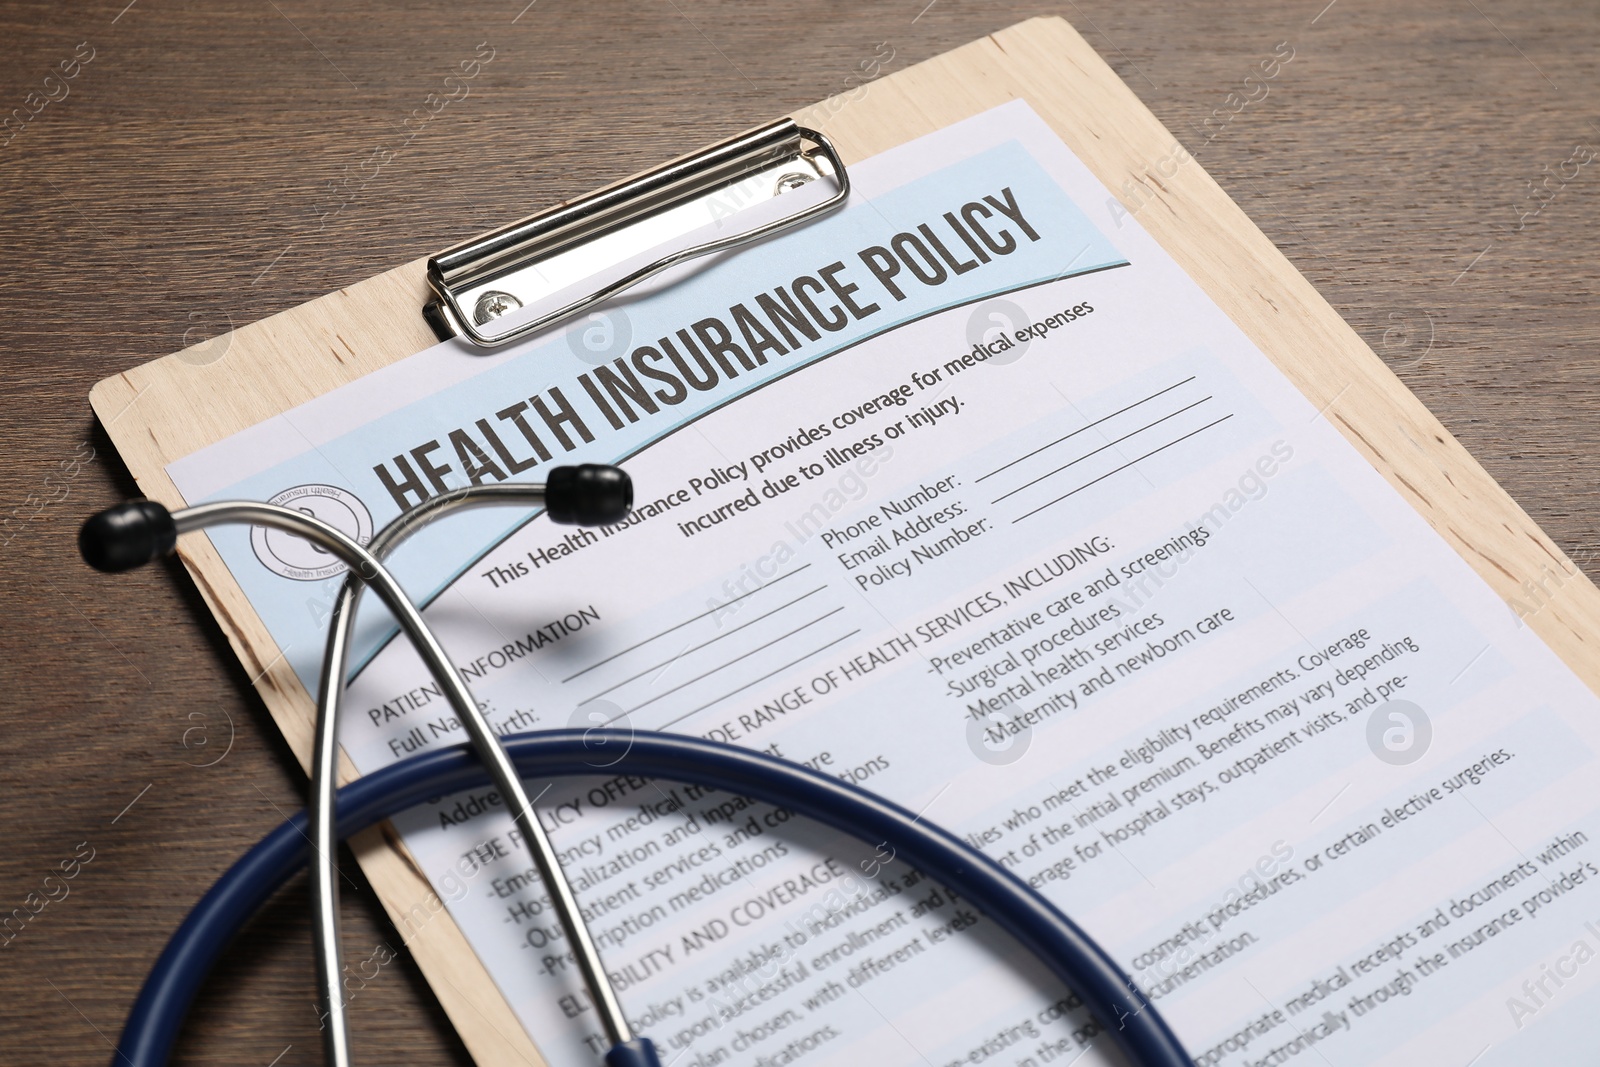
{"points": [[132, 534], [127, 536], [590, 494]]}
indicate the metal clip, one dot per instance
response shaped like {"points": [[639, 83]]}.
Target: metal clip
{"points": [[492, 276]]}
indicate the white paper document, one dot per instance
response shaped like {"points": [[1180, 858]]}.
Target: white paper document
{"points": [[970, 496]]}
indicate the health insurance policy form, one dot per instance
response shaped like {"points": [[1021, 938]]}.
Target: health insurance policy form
{"points": [[968, 495]]}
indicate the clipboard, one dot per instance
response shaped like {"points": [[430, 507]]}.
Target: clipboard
{"points": [[169, 408]]}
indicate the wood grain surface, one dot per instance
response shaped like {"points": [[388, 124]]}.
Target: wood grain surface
{"points": [[213, 164]]}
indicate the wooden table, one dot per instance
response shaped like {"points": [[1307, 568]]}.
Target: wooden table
{"points": [[184, 168]]}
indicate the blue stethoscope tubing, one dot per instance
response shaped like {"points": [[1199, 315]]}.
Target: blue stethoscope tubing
{"points": [[1038, 926]]}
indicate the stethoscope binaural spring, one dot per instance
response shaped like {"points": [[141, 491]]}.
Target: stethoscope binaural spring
{"points": [[139, 531]]}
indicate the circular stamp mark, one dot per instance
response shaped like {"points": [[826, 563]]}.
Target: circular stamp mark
{"points": [[289, 556]]}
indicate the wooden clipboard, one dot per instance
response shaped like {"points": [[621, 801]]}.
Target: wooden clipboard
{"points": [[171, 407]]}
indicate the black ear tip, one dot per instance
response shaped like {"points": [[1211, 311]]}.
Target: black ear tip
{"points": [[127, 536], [589, 494]]}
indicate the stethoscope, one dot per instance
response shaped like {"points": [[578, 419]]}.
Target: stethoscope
{"points": [[136, 532]]}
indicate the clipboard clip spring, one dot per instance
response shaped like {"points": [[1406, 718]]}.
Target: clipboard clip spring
{"points": [[599, 236]]}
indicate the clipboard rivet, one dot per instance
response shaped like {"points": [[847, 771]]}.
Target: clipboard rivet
{"points": [[492, 305], [792, 180]]}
